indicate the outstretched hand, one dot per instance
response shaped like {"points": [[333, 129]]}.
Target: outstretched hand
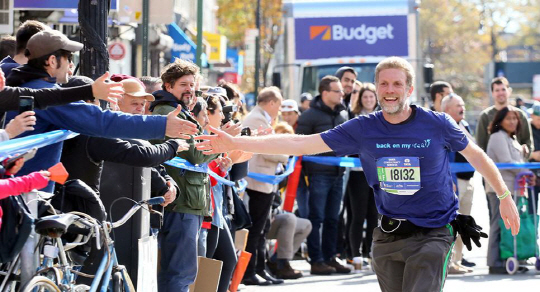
{"points": [[178, 128], [221, 142], [105, 89], [468, 230]]}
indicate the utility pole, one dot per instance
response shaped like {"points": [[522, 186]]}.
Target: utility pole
{"points": [[199, 32], [257, 48], [93, 22], [145, 23]]}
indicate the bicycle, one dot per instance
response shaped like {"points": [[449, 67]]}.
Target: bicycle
{"points": [[62, 276]]}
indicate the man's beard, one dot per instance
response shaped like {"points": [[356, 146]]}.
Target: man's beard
{"points": [[394, 109]]}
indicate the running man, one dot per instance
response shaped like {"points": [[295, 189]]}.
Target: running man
{"points": [[404, 153]]}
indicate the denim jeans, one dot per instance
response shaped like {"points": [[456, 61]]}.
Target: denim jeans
{"points": [[178, 240], [325, 196]]}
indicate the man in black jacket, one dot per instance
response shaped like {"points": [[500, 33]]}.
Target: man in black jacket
{"points": [[325, 182]]}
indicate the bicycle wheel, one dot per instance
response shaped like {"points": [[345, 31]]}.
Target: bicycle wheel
{"points": [[40, 284]]}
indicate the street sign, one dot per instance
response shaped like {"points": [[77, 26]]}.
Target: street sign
{"points": [[117, 51]]}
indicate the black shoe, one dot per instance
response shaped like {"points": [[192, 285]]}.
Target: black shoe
{"points": [[256, 280], [341, 269], [269, 278], [272, 266], [466, 263], [497, 271]]}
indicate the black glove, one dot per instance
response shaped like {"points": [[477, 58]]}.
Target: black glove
{"points": [[468, 229]]}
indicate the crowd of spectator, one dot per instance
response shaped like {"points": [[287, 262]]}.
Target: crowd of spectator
{"points": [[150, 120]]}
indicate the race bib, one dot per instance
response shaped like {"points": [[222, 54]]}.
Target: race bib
{"points": [[399, 175]]}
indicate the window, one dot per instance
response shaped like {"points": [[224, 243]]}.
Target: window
{"points": [[6, 16]]}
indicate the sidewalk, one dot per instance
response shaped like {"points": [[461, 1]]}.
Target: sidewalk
{"points": [[479, 280]]}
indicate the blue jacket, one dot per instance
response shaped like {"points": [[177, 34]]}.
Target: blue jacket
{"points": [[79, 117]]}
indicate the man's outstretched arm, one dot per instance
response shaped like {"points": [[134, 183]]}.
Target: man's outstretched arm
{"points": [[272, 144]]}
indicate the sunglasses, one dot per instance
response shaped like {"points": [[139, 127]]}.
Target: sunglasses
{"points": [[355, 91]]}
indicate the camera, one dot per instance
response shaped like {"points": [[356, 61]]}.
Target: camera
{"points": [[227, 112], [245, 132]]}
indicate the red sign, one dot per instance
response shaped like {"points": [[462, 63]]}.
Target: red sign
{"points": [[117, 51], [231, 77]]}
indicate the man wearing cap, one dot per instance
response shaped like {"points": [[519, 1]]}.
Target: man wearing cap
{"points": [[49, 53], [135, 97], [347, 77], [290, 112], [305, 100]]}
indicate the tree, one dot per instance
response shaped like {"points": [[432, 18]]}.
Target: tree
{"points": [[236, 16], [450, 39]]}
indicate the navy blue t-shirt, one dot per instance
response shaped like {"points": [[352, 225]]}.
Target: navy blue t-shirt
{"points": [[427, 135]]}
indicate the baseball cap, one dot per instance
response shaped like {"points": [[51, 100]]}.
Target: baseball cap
{"points": [[134, 88], [536, 109], [217, 91], [305, 96], [48, 41], [289, 105]]}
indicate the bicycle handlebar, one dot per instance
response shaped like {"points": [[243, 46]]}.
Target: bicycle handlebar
{"points": [[135, 208]]}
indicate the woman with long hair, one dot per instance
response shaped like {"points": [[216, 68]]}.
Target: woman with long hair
{"points": [[502, 147]]}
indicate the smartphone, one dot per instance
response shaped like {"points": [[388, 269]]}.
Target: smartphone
{"points": [[26, 103], [8, 163]]}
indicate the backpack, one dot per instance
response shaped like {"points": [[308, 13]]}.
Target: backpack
{"points": [[17, 223], [75, 195]]}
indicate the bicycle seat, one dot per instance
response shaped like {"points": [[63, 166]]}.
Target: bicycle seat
{"points": [[55, 225]]}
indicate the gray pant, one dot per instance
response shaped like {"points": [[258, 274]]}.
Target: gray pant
{"points": [[494, 253], [289, 231], [415, 263], [466, 191]]}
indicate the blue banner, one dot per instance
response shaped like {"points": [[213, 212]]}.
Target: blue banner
{"points": [[21, 145], [184, 164], [334, 161], [335, 37], [275, 179]]}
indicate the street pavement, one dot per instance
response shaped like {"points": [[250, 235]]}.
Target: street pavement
{"points": [[366, 281]]}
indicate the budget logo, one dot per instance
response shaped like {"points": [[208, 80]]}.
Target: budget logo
{"points": [[317, 30]]}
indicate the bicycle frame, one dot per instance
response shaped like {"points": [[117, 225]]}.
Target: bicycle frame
{"points": [[106, 271]]}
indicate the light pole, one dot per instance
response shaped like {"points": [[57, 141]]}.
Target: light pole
{"points": [[257, 47]]}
